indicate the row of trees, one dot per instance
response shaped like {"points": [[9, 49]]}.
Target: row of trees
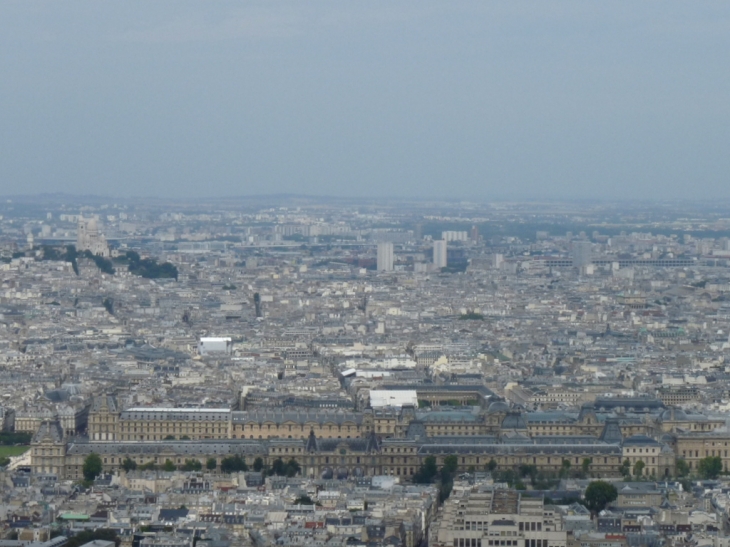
{"points": [[12, 437], [149, 267], [143, 267], [231, 464], [444, 477], [708, 468]]}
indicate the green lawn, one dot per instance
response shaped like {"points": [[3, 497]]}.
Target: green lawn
{"points": [[8, 451]]}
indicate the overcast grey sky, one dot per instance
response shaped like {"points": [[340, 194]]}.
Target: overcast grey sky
{"points": [[480, 99]]}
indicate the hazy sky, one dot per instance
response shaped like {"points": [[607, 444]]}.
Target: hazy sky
{"points": [[484, 99]]}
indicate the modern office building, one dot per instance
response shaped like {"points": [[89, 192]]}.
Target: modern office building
{"points": [[385, 257], [439, 253], [483, 518]]}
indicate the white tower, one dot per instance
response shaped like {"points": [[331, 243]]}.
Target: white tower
{"points": [[439, 253], [385, 257], [581, 253]]}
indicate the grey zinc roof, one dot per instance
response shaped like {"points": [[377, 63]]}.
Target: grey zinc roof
{"points": [[48, 430], [514, 420], [283, 416], [177, 447], [98, 403], [192, 414]]}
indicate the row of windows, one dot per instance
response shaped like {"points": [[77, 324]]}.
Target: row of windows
{"points": [[707, 453]]}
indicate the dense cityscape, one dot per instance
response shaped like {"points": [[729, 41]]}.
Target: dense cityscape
{"points": [[289, 370]]}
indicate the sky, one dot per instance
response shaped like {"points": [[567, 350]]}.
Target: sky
{"points": [[479, 100]]}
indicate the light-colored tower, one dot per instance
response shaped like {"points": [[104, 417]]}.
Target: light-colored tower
{"points": [[581, 253], [439, 253], [385, 257]]}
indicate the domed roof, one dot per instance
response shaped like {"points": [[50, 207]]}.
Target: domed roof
{"points": [[674, 414], [514, 420], [667, 438], [498, 406]]}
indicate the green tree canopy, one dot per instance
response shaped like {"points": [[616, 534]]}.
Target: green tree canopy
{"points": [[303, 500], [586, 465], [625, 468], [288, 469], [129, 464], [639, 468], [192, 465], [211, 464], [451, 463], [427, 472], [682, 468], [710, 467], [92, 467], [233, 464], [169, 466], [258, 464], [598, 495]]}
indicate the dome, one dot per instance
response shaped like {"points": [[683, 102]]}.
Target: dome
{"points": [[498, 406], [667, 439], [514, 420], [674, 414], [92, 226]]}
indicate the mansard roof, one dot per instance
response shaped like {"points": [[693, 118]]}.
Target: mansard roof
{"points": [[104, 400], [180, 448], [49, 430], [297, 416]]}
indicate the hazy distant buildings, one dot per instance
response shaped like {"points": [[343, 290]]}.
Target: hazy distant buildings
{"points": [[385, 257], [439, 253], [452, 235], [581, 254]]}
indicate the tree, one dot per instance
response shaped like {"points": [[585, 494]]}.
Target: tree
{"points": [[710, 467], [303, 500], [232, 464], [426, 472], [451, 463], [492, 465], [92, 467], [526, 470], [565, 468], [625, 468], [639, 468], [211, 464], [277, 467], [169, 438], [292, 468], [598, 495], [169, 466], [682, 468], [258, 464], [586, 465], [192, 465], [129, 465]]}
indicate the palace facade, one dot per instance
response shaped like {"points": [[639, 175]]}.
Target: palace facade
{"points": [[339, 443]]}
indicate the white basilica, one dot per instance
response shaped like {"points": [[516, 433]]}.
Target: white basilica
{"points": [[89, 238]]}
